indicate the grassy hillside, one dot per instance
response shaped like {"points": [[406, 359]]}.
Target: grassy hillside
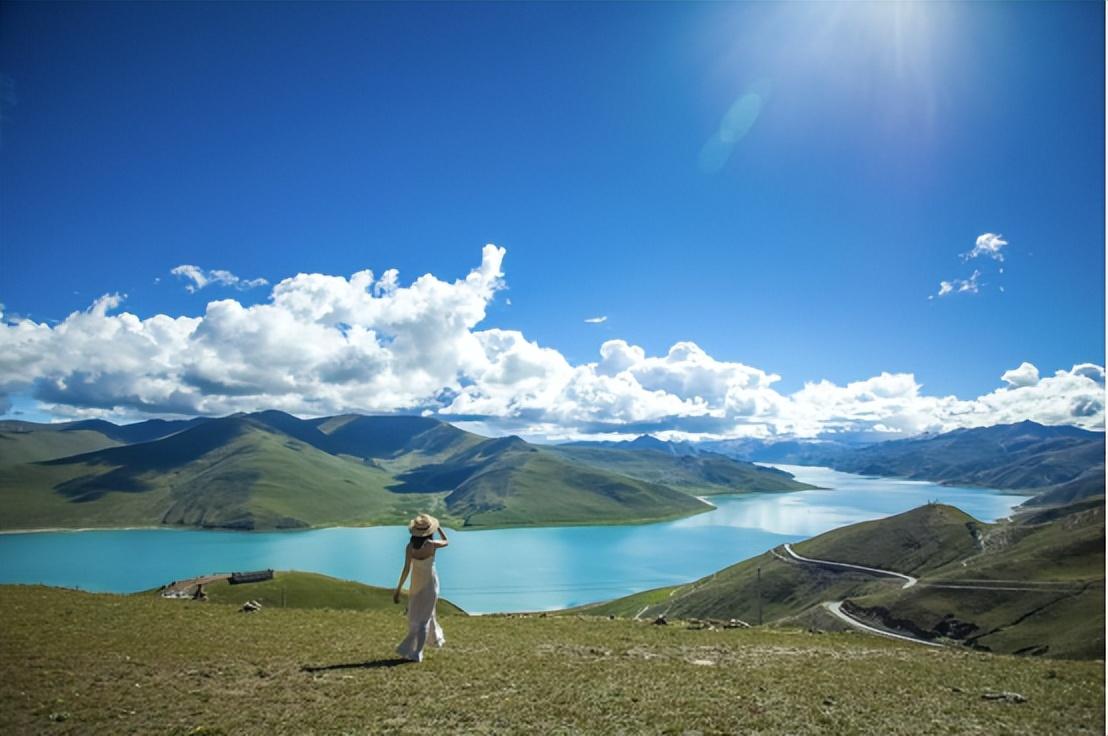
{"points": [[700, 474], [901, 543], [230, 473], [527, 486], [292, 589], [30, 446], [1059, 556], [82, 663], [1050, 600], [786, 590], [915, 542]]}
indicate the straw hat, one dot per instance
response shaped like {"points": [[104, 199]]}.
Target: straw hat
{"points": [[423, 525]]}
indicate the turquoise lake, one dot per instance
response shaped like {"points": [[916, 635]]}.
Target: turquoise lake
{"points": [[495, 570]]}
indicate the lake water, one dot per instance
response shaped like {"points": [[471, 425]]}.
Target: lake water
{"points": [[500, 569]]}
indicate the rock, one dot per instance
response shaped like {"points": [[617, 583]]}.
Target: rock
{"points": [[661, 621], [251, 606], [736, 624], [1003, 695]]}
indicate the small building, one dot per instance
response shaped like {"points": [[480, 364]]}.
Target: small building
{"points": [[250, 577]]}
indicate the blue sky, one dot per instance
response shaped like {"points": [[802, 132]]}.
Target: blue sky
{"points": [[269, 140]]}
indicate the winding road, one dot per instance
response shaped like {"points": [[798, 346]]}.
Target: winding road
{"points": [[835, 608], [909, 581]]}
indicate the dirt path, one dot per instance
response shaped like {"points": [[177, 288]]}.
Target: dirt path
{"points": [[178, 586]]}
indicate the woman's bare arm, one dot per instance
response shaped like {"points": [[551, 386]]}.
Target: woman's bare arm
{"points": [[403, 574], [445, 541]]}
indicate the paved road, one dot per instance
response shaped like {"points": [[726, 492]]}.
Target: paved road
{"points": [[835, 608], [909, 581]]}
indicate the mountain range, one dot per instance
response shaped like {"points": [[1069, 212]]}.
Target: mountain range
{"points": [[1055, 464], [270, 470]]}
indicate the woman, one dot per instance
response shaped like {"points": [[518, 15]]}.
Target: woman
{"points": [[419, 559]]}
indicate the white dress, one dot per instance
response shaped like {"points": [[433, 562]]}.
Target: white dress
{"points": [[422, 624]]}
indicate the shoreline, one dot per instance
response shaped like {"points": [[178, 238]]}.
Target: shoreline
{"points": [[459, 529]]}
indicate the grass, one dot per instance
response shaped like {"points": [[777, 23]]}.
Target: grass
{"points": [[84, 663], [294, 589]]}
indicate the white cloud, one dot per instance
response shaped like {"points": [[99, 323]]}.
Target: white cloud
{"points": [[201, 278], [988, 244], [1026, 375], [327, 344], [596, 320], [960, 286]]}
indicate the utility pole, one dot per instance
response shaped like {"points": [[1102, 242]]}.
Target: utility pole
{"points": [[759, 596]]}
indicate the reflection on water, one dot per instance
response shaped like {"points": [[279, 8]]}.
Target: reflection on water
{"points": [[495, 570]]}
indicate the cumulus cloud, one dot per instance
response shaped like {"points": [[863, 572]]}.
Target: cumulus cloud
{"points": [[988, 244], [1026, 375], [200, 278], [326, 344], [596, 320]]}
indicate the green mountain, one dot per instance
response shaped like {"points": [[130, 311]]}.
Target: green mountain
{"points": [[408, 440], [699, 473], [26, 442], [271, 470], [237, 472], [1033, 585]]}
